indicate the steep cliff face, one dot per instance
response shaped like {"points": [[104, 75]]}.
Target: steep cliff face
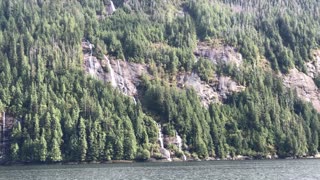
{"points": [[219, 87], [120, 74], [213, 92], [313, 67], [126, 76], [219, 54], [304, 84], [305, 87]]}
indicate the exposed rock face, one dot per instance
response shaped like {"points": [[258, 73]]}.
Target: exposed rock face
{"points": [[206, 92], [111, 8], [176, 141], [214, 92], [131, 73], [228, 86], [313, 67], [304, 84], [219, 55], [220, 87], [126, 76], [93, 66], [305, 87], [121, 74], [166, 154], [240, 157]]}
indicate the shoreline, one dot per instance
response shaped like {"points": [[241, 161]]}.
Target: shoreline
{"points": [[151, 160]]}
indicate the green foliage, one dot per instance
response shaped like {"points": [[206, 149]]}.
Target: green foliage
{"points": [[14, 150], [142, 154], [283, 33], [42, 149], [63, 115], [55, 154], [83, 144], [205, 69]]}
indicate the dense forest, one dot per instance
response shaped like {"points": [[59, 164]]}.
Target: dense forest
{"points": [[62, 114]]}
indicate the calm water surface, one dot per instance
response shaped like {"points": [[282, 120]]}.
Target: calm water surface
{"points": [[260, 169]]}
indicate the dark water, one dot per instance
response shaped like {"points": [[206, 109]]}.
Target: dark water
{"points": [[262, 169]]}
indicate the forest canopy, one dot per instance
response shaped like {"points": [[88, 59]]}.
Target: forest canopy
{"points": [[64, 115]]}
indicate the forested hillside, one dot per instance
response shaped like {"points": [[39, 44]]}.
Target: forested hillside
{"points": [[63, 114]]}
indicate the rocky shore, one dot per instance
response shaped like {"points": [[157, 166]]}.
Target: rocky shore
{"points": [[154, 160]]}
